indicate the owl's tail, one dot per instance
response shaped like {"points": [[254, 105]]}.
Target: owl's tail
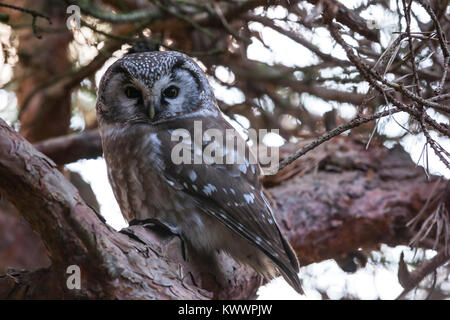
{"points": [[290, 270], [293, 280], [284, 263], [270, 269], [268, 262]]}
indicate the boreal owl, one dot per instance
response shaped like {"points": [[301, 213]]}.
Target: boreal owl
{"points": [[144, 100]]}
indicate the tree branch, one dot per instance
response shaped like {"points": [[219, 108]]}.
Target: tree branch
{"points": [[135, 264], [410, 280], [73, 147]]}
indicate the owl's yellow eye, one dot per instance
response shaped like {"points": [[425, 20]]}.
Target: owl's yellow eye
{"points": [[132, 92], [171, 92]]}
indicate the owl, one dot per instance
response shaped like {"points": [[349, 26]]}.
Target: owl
{"points": [[143, 99]]}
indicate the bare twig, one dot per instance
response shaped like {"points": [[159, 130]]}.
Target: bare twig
{"points": [[33, 13], [409, 280], [442, 41], [227, 27], [333, 133], [372, 77], [407, 12], [147, 14]]}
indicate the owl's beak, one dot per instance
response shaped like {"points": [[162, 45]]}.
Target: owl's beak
{"points": [[151, 111], [151, 103]]}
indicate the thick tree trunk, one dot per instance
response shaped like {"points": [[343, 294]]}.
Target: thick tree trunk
{"points": [[336, 199]]}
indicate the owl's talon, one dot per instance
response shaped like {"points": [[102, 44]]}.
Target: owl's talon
{"points": [[148, 223], [183, 247]]}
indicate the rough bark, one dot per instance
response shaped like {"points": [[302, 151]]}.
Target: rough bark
{"points": [[20, 247], [339, 198]]}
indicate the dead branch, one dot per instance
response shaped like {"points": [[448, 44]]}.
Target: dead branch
{"points": [[410, 280]]}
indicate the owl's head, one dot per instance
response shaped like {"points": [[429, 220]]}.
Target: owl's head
{"points": [[152, 87]]}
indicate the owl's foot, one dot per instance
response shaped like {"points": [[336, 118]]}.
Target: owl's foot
{"points": [[152, 223]]}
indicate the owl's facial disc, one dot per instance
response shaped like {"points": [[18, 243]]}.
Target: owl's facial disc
{"points": [[170, 95], [143, 89]]}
